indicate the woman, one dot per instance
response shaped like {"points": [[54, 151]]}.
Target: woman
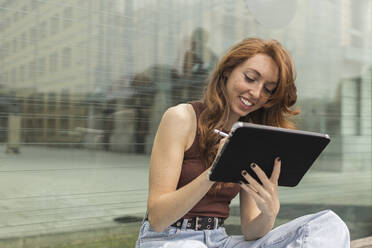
{"points": [[253, 82]]}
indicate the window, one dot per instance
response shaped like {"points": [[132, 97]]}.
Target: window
{"points": [[358, 105], [23, 40], [43, 30], [2, 51], [52, 101], [51, 126], [22, 70], [16, 16], [31, 68], [24, 11], [41, 65], [33, 35], [39, 103], [6, 49], [67, 17], [41, 123], [34, 4], [15, 45], [64, 122], [53, 62], [359, 20], [14, 76], [64, 99], [7, 22], [66, 57], [54, 24], [6, 78]]}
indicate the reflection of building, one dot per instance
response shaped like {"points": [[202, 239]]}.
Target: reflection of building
{"points": [[347, 120], [52, 47], [52, 118], [356, 121], [52, 54], [334, 82], [87, 47]]}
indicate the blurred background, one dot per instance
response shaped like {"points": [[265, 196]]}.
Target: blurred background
{"points": [[83, 86]]}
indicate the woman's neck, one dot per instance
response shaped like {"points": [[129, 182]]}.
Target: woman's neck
{"points": [[231, 121]]}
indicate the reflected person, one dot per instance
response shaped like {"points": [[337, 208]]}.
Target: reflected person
{"points": [[14, 128], [108, 123], [198, 61], [143, 101], [253, 82]]}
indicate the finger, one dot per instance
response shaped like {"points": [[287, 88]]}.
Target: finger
{"points": [[255, 185], [276, 171], [223, 140], [250, 186], [261, 175], [252, 192]]}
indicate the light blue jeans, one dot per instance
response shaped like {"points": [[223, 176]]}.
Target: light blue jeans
{"points": [[322, 229]]}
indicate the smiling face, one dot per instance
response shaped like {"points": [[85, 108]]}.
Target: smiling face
{"points": [[250, 85]]}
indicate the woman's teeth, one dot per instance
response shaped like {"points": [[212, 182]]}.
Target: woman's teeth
{"points": [[246, 102]]}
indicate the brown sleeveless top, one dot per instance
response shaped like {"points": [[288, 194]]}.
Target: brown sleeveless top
{"points": [[213, 203]]}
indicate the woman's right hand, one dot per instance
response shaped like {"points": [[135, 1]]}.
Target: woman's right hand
{"points": [[220, 145]]}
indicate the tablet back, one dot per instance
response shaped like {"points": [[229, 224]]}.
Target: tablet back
{"points": [[262, 144]]}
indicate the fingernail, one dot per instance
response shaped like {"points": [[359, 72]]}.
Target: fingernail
{"points": [[253, 165], [244, 172]]}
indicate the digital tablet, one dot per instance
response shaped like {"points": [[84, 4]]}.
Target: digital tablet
{"points": [[261, 144]]}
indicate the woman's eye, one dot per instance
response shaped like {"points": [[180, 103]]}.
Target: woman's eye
{"points": [[248, 78], [268, 91]]}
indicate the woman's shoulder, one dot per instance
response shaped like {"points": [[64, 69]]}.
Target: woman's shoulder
{"points": [[183, 112], [180, 120]]}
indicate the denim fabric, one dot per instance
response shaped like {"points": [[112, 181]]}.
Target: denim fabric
{"points": [[323, 229]]}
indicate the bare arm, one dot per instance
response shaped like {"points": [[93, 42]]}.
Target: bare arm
{"points": [[175, 134], [259, 204], [254, 224]]}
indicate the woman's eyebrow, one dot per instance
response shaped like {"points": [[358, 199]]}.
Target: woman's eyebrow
{"points": [[259, 75]]}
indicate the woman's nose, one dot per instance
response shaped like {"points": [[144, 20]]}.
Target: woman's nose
{"points": [[255, 91]]}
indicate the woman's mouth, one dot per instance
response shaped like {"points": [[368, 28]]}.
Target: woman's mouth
{"points": [[245, 102]]}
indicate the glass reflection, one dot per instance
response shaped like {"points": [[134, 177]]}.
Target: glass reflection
{"points": [[83, 86]]}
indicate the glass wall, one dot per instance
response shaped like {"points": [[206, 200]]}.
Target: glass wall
{"points": [[83, 85]]}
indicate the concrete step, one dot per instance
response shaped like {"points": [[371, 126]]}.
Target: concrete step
{"points": [[362, 243]]}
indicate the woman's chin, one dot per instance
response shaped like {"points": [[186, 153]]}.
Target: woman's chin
{"points": [[242, 113]]}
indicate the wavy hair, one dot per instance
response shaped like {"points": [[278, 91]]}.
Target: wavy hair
{"points": [[275, 112]]}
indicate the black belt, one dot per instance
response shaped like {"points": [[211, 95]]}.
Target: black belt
{"points": [[200, 223]]}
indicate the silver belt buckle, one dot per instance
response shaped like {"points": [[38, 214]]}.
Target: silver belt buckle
{"points": [[196, 223], [215, 222]]}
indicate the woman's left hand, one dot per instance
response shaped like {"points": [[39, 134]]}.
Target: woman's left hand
{"points": [[265, 195]]}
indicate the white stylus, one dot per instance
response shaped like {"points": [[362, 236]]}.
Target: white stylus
{"points": [[221, 133]]}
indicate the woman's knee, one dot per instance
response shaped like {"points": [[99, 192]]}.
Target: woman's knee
{"points": [[339, 221], [326, 227], [334, 219], [329, 220]]}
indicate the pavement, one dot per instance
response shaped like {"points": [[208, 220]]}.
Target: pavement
{"points": [[46, 190], [51, 190]]}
